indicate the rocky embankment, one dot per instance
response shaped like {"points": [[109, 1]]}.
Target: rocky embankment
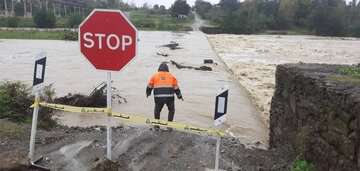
{"points": [[315, 111]]}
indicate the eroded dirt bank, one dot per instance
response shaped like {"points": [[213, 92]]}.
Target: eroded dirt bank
{"points": [[134, 149]]}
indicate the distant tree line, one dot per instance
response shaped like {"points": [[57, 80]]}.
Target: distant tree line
{"points": [[47, 13], [321, 17]]}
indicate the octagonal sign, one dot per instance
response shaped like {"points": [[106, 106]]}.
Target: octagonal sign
{"points": [[108, 39]]}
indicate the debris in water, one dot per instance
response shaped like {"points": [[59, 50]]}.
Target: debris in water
{"points": [[201, 68], [204, 68], [172, 45], [162, 54], [97, 98], [208, 61]]}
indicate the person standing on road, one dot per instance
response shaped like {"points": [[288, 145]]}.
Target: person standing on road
{"points": [[165, 86]]}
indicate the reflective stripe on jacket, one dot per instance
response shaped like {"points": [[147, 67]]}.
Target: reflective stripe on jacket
{"points": [[164, 84]]}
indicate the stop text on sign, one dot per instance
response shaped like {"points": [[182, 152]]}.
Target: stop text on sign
{"points": [[111, 41], [108, 39]]}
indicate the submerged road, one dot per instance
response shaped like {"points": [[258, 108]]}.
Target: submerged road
{"points": [[70, 72]]}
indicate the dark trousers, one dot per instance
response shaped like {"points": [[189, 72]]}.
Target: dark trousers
{"points": [[159, 104]]}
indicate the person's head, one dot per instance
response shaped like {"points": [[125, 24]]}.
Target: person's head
{"points": [[163, 67]]}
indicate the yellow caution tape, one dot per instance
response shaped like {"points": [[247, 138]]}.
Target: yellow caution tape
{"points": [[134, 119], [109, 111], [36, 102], [74, 109]]}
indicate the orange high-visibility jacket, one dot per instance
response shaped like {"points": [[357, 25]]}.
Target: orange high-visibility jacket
{"points": [[164, 84]]}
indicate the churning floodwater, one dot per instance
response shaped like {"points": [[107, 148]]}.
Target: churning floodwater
{"points": [[70, 72]]}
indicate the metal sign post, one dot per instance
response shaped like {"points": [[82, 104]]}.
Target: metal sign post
{"points": [[38, 79], [217, 156], [219, 118], [109, 111], [108, 33], [34, 126]]}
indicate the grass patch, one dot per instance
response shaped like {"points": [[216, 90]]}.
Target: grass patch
{"points": [[302, 165], [22, 22], [146, 21], [345, 78], [347, 74], [43, 35], [10, 129], [352, 71], [29, 22]]}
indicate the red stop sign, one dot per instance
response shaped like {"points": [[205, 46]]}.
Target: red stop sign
{"points": [[108, 39]]}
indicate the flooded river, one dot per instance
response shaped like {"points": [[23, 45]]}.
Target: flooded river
{"points": [[70, 72]]}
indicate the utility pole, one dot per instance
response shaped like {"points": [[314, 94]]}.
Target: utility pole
{"points": [[5, 6], [31, 8], [25, 12], [54, 8], [12, 8], [40, 4], [47, 5]]}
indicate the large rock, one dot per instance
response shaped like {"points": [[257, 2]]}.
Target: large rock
{"points": [[316, 112]]}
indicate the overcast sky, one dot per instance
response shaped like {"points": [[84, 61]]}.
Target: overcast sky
{"points": [[168, 3]]}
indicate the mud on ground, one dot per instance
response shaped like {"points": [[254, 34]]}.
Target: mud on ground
{"points": [[134, 148]]}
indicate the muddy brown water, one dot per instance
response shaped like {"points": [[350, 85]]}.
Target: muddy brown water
{"points": [[69, 72]]}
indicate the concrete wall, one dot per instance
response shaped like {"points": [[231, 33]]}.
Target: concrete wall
{"points": [[316, 112]]}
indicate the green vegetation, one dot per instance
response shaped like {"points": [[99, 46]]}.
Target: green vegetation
{"points": [[347, 74], [350, 71], [46, 35], [177, 18], [44, 19], [15, 102], [12, 21], [180, 8], [21, 22], [74, 21], [147, 20], [320, 17], [345, 79], [302, 165], [29, 22]]}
